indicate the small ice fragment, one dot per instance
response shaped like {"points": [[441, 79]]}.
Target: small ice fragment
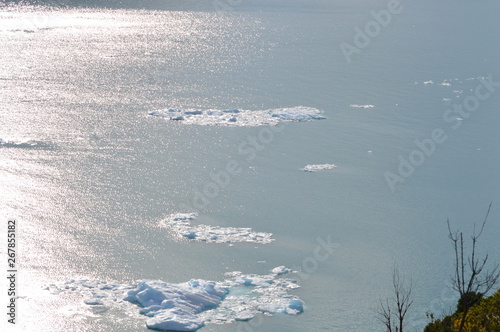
{"points": [[361, 106], [244, 316], [429, 82], [194, 112], [190, 235], [92, 301], [89, 284], [296, 305], [320, 167], [174, 321], [281, 270]]}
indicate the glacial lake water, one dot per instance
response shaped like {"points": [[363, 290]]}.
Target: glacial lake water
{"points": [[89, 175]]}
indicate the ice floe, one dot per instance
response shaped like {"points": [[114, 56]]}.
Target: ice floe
{"points": [[180, 224], [240, 118], [320, 167], [361, 106], [429, 82], [22, 144], [190, 305]]}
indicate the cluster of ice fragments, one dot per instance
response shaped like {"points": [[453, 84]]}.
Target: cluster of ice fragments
{"points": [[20, 144], [320, 167], [180, 224], [190, 305], [240, 118], [361, 106]]}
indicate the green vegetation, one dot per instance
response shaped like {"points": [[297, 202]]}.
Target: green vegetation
{"points": [[483, 316], [474, 312]]}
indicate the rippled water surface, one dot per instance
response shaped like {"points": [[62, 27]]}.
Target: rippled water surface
{"points": [[90, 175]]}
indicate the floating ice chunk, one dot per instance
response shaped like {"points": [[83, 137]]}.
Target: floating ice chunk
{"points": [[446, 100], [25, 144], [299, 114], [92, 301], [20, 144], [182, 217], [254, 280], [175, 321], [175, 307], [296, 305], [245, 316], [281, 270], [180, 224], [429, 82], [240, 118], [361, 106], [89, 284], [189, 306], [445, 84], [314, 168]]}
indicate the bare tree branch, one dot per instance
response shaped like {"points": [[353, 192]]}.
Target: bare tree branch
{"points": [[469, 280], [401, 302]]}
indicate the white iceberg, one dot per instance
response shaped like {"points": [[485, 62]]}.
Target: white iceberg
{"points": [[281, 270], [361, 106], [180, 224], [190, 305], [240, 118], [320, 167]]}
